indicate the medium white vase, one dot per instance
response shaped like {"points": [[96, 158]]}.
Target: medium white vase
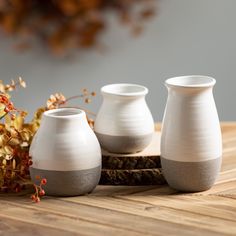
{"points": [[66, 152], [124, 123], [191, 143]]}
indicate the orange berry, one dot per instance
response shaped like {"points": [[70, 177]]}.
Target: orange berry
{"points": [[43, 181], [6, 109], [10, 106], [41, 192], [4, 98]]}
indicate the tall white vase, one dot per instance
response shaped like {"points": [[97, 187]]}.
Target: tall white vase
{"points": [[124, 123], [66, 152], [191, 143]]}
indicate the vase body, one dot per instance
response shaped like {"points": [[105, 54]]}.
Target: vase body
{"points": [[124, 123], [66, 152], [191, 143]]}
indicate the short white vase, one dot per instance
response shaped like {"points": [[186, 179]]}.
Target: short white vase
{"points": [[124, 123], [66, 152], [191, 143]]}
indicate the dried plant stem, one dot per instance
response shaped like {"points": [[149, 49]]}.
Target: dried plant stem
{"points": [[74, 97], [3, 116]]}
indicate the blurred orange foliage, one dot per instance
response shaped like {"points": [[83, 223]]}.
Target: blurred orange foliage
{"points": [[63, 25]]}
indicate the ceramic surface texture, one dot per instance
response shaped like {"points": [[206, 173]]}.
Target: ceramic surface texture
{"points": [[191, 134], [124, 144], [65, 146], [124, 122], [68, 183]]}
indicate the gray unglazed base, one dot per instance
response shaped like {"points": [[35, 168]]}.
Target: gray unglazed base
{"points": [[68, 183], [191, 176], [124, 144]]}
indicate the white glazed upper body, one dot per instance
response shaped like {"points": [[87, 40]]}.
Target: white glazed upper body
{"points": [[191, 130], [124, 111], [65, 142]]}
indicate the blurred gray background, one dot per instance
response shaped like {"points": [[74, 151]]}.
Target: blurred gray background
{"points": [[185, 37]]}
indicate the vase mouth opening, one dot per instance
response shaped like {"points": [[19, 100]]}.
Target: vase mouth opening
{"points": [[191, 81], [124, 90], [64, 113]]}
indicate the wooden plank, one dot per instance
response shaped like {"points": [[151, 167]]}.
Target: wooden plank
{"points": [[41, 218], [9, 227], [226, 176], [147, 222], [212, 206], [90, 214], [167, 213]]}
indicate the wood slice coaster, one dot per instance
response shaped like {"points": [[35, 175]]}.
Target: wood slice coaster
{"points": [[132, 177], [147, 159]]}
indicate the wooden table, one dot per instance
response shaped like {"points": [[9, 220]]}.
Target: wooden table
{"points": [[148, 210]]}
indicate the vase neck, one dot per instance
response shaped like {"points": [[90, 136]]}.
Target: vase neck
{"points": [[64, 118], [194, 84], [124, 92], [190, 91]]}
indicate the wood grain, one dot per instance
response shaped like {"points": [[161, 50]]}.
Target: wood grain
{"points": [[126, 210]]}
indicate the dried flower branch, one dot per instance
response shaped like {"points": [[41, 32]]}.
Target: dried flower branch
{"points": [[15, 139], [55, 101], [39, 191], [58, 100]]}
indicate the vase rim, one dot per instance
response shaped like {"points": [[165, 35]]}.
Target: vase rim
{"points": [[191, 81], [124, 89], [64, 113]]}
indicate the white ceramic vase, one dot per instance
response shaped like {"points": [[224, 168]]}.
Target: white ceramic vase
{"points": [[191, 143], [66, 152], [124, 123]]}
